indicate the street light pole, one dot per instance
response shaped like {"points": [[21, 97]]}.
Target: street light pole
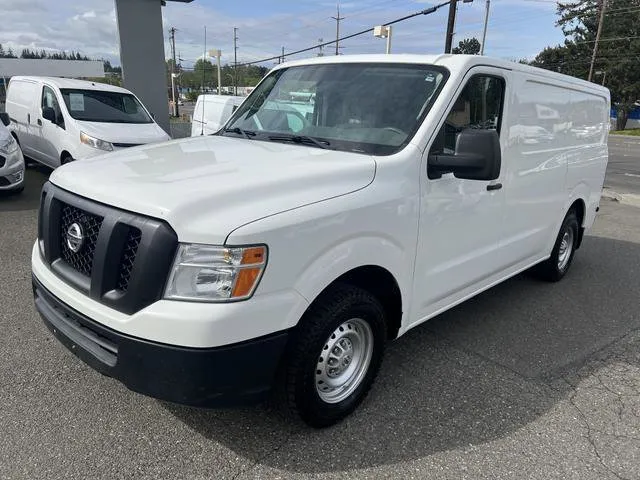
{"points": [[484, 31], [450, 24]]}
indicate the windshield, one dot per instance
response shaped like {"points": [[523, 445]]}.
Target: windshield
{"points": [[359, 107], [101, 106]]}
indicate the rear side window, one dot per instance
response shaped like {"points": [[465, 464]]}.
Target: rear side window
{"points": [[479, 106]]}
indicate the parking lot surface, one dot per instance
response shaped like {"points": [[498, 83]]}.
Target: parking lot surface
{"points": [[528, 380]]}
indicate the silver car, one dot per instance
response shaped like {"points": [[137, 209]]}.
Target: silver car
{"points": [[11, 159]]}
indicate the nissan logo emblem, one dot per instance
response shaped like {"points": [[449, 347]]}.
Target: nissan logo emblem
{"points": [[75, 237]]}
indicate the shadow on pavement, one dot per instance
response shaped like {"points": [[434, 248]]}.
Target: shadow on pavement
{"points": [[29, 199], [476, 373]]}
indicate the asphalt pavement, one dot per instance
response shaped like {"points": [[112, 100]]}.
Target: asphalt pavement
{"points": [[623, 172], [529, 380]]}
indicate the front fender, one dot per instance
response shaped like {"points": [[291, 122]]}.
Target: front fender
{"points": [[349, 254]]}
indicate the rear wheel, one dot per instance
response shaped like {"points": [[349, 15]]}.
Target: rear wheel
{"points": [[335, 356], [557, 265]]}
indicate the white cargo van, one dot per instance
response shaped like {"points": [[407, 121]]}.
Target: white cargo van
{"points": [[284, 252], [57, 120], [211, 112]]}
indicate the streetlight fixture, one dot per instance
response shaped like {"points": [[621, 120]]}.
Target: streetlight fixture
{"points": [[383, 31], [217, 53]]}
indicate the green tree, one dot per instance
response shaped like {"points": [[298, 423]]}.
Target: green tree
{"points": [[468, 46], [618, 49]]}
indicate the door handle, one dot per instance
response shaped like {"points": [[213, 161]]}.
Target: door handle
{"points": [[28, 118], [495, 186], [39, 122]]}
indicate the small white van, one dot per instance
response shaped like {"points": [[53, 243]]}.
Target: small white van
{"points": [[57, 120], [285, 251], [211, 112]]}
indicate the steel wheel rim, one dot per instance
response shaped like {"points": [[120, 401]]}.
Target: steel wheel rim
{"points": [[344, 360], [566, 247]]}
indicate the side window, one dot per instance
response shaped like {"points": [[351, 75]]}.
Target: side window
{"points": [[49, 100], [479, 106]]}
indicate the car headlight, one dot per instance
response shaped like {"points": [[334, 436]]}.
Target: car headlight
{"points": [[8, 145], [210, 273], [95, 142]]}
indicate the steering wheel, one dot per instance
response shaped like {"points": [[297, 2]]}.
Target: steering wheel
{"points": [[395, 130]]}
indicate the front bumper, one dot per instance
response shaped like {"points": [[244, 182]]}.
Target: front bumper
{"points": [[204, 377], [12, 177]]}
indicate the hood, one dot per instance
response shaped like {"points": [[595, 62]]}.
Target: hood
{"points": [[131, 133], [205, 187]]}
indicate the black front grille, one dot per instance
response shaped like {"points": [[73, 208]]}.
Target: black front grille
{"points": [[4, 182], [128, 257], [124, 259], [127, 145], [2, 161], [90, 224]]}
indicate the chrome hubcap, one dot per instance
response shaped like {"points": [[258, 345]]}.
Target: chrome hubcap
{"points": [[566, 247], [344, 360]]}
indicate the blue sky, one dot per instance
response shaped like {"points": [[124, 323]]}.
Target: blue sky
{"points": [[517, 28]]}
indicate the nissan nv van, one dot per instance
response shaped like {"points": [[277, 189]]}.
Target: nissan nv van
{"points": [[280, 256]]}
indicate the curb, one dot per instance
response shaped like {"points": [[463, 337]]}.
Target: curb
{"points": [[624, 198]]}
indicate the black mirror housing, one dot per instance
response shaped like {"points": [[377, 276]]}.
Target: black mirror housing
{"points": [[4, 117], [49, 113], [477, 157]]}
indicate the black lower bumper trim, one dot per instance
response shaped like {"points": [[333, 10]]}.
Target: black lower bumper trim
{"points": [[235, 374]]}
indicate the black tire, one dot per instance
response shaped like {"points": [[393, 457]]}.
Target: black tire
{"points": [[66, 159], [550, 270], [298, 392]]}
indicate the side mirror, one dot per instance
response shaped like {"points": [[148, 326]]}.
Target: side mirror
{"points": [[477, 157], [5, 119], [49, 113]]}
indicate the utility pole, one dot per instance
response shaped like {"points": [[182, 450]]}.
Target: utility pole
{"points": [[338, 19], [235, 60], [172, 32], [450, 25], [282, 61], [320, 47], [486, 22], [603, 6]]}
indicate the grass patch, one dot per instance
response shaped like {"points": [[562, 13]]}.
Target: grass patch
{"points": [[631, 131]]}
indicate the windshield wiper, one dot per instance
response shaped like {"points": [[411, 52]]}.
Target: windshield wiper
{"points": [[300, 139], [239, 131]]}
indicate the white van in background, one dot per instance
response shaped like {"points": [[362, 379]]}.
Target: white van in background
{"points": [[211, 113], [57, 120]]}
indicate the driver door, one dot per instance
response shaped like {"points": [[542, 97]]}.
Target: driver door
{"points": [[49, 134], [461, 220]]}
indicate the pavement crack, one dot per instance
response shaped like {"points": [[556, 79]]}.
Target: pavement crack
{"points": [[589, 437]]}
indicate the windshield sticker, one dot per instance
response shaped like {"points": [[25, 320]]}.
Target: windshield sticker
{"points": [[76, 102], [430, 78]]}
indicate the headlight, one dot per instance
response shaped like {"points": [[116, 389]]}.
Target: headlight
{"points": [[95, 142], [8, 145], [215, 274]]}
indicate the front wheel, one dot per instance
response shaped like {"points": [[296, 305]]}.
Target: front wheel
{"points": [[557, 265], [335, 356]]}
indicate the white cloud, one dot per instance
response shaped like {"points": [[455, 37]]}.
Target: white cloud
{"points": [[90, 27]]}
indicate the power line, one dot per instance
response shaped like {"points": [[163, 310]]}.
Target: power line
{"points": [[426, 11]]}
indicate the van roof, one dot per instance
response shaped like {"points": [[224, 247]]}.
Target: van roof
{"points": [[451, 62], [211, 97], [72, 83]]}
